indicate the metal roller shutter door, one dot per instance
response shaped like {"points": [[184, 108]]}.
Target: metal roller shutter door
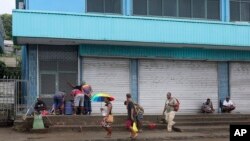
{"points": [[190, 81], [109, 76], [239, 85]]}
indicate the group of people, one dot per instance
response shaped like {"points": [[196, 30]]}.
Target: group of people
{"points": [[81, 103], [226, 107], [135, 112], [82, 98], [135, 115]]}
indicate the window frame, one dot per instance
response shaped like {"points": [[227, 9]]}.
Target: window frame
{"points": [[105, 13], [178, 11], [132, 6], [240, 2]]}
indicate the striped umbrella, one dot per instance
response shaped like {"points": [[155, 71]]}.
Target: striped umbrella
{"points": [[99, 97]]}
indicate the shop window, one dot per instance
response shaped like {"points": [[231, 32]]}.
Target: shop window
{"points": [[213, 9], [170, 8], [240, 10], [199, 9], [104, 6], [184, 8], [140, 7], [155, 7]]}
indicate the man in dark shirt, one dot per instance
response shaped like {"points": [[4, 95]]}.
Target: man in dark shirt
{"points": [[40, 105], [131, 114]]}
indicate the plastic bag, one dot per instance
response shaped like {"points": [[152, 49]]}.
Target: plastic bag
{"points": [[110, 119], [128, 124], [38, 122], [134, 128], [44, 113]]}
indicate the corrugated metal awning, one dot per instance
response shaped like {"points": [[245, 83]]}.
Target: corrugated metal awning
{"points": [[72, 28]]}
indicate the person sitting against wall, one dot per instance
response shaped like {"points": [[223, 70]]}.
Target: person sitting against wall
{"points": [[40, 106], [59, 102], [228, 105], [207, 107]]}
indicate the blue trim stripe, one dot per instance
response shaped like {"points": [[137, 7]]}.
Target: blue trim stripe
{"points": [[134, 79], [223, 80], [162, 52]]}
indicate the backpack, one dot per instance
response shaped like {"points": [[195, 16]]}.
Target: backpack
{"points": [[138, 109], [176, 108]]}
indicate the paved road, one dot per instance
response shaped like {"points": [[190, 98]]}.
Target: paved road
{"points": [[7, 134]]}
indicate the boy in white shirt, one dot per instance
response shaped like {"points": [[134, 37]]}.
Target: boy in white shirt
{"points": [[228, 105]]}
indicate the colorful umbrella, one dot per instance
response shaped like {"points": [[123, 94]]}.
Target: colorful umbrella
{"points": [[99, 97]]}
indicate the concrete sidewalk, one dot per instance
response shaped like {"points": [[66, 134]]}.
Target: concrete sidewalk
{"points": [[8, 134]]}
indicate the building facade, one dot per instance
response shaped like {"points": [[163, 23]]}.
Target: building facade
{"points": [[193, 48], [2, 33]]}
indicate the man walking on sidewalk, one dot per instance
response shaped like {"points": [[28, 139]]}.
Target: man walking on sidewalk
{"points": [[131, 115], [169, 111]]}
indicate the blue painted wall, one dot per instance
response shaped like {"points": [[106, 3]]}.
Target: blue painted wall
{"points": [[57, 5], [25, 69], [32, 59], [225, 10], [127, 6], [134, 79], [223, 81], [25, 73]]}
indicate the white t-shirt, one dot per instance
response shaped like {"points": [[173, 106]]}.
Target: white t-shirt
{"points": [[229, 103]]}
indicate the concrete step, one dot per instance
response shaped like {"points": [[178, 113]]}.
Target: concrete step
{"points": [[88, 120], [202, 117], [188, 121], [156, 135], [78, 128], [6, 123], [181, 120], [220, 116], [146, 135], [226, 122]]}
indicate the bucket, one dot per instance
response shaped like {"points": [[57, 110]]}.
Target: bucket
{"points": [[68, 108]]}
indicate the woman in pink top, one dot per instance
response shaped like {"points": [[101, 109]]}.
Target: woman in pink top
{"points": [[78, 100]]}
